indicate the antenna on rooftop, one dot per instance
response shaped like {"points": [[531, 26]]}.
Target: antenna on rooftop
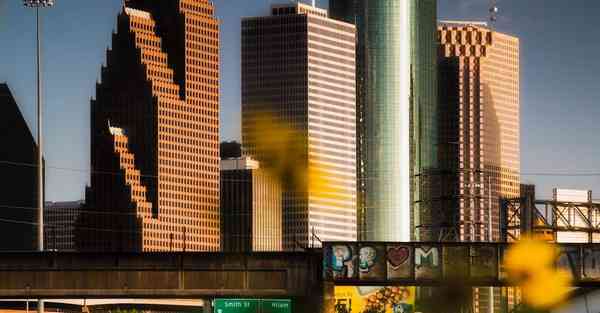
{"points": [[493, 13]]}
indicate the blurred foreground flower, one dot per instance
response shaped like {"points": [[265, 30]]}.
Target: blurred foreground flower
{"points": [[283, 150], [530, 264]]}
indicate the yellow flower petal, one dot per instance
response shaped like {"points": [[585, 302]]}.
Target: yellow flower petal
{"points": [[547, 289]]}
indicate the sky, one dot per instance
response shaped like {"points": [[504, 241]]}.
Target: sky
{"points": [[559, 85]]}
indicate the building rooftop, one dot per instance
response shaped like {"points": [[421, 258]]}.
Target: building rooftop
{"points": [[300, 8], [64, 204], [463, 23], [138, 13], [243, 163]]}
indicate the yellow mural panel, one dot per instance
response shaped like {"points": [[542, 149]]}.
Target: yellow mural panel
{"points": [[353, 299]]}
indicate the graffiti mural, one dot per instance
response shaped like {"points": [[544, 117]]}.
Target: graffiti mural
{"points": [[427, 262], [371, 262], [416, 264], [340, 262], [355, 299], [399, 262]]}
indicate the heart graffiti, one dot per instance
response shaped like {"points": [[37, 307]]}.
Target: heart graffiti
{"points": [[397, 256]]}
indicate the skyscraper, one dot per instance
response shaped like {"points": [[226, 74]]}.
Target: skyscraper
{"points": [[481, 68], [396, 113], [251, 207], [18, 183], [155, 133], [298, 66], [479, 78]]}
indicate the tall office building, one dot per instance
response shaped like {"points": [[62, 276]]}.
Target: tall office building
{"points": [[155, 133], [481, 68], [59, 224], [298, 66], [479, 76], [251, 207], [18, 183], [396, 114]]}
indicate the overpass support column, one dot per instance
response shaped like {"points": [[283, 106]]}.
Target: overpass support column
{"points": [[207, 306], [319, 300]]}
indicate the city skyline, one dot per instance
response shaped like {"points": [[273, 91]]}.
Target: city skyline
{"points": [[548, 109]]}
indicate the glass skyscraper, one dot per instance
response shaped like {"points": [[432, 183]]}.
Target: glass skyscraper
{"points": [[396, 113]]}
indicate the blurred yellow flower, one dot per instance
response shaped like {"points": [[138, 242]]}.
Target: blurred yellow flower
{"points": [[283, 150], [530, 264]]}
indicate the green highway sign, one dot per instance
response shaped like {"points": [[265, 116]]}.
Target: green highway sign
{"points": [[276, 306], [252, 306], [236, 306]]}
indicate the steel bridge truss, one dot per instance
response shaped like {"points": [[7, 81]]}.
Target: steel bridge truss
{"points": [[545, 217]]}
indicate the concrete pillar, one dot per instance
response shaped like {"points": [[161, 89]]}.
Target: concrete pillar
{"points": [[320, 300], [207, 307]]}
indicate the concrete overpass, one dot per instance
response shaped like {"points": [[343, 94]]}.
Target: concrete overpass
{"points": [[54, 275], [303, 277]]}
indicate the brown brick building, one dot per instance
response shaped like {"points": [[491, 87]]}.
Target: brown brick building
{"points": [[155, 133], [299, 66], [251, 207], [480, 128]]}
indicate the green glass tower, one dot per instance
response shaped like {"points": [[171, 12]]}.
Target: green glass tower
{"points": [[396, 114]]}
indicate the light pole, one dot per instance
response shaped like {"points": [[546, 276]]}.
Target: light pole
{"points": [[37, 4]]}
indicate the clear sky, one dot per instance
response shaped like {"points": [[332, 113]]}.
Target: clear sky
{"points": [[559, 87]]}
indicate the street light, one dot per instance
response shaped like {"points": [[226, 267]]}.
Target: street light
{"points": [[37, 4]]}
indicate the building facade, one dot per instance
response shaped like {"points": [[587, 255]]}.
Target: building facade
{"points": [[59, 224], [18, 170], [479, 79], [396, 114], [298, 66], [251, 207], [155, 133], [481, 68]]}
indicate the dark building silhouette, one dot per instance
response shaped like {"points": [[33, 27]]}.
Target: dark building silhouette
{"points": [[155, 133], [230, 150], [18, 186], [59, 224]]}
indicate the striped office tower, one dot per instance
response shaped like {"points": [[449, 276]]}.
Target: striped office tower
{"points": [[298, 66]]}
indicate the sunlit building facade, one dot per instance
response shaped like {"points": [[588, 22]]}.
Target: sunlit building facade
{"points": [[479, 75], [298, 66], [155, 133], [396, 114], [251, 207]]}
